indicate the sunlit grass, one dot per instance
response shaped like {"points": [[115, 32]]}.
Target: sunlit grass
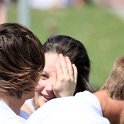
{"points": [[100, 31]]}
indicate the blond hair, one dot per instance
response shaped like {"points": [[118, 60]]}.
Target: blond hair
{"points": [[115, 81]]}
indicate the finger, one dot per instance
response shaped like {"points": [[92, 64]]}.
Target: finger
{"points": [[63, 65], [75, 73], [70, 68], [58, 68]]}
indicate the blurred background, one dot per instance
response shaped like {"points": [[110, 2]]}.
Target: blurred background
{"points": [[99, 24]]}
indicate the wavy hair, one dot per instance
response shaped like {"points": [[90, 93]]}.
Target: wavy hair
{"points": [[77, 53], [21, 59]]}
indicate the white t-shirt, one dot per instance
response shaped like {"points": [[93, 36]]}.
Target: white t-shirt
{"points": [[7, 116], [83, 108]]}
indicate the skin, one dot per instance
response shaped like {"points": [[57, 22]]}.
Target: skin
{"points": [[113, 109], [16, 105], [58, 79]]}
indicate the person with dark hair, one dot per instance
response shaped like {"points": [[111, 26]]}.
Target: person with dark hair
{"points": [[77, 54], [105, 106], [66, 71], [21, 63]]}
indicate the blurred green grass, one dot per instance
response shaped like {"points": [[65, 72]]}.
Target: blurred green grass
{"points": [[99, 30]]}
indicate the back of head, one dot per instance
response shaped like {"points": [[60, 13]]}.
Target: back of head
{"points": [[21, 59], [115, 82], [77, 53]]}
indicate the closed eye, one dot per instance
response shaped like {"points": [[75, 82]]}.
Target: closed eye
{"points": [[44, 76]]}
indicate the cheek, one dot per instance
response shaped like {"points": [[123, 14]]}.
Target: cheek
{"points": [[40, 82], [38, 88], [43, 82], [41, 85]]}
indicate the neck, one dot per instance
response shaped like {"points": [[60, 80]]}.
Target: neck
{"points": [[112, 109], [14, 103]]}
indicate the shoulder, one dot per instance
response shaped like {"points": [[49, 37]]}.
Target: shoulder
{"points": [[68, 110]]}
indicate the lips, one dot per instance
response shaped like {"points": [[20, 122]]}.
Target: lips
{"points": [[47, 98]]}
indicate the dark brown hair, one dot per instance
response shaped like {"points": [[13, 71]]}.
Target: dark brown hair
{"points": [[21, 59], [77, 53]]}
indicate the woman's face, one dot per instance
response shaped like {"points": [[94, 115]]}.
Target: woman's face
{"points": [[44, 90]]}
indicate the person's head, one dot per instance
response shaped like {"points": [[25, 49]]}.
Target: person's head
{"points": [[115, 82], [77, 53], [21, 60]]}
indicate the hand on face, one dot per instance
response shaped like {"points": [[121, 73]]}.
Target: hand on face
{"points": [[59, 78], [66, 73]]}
